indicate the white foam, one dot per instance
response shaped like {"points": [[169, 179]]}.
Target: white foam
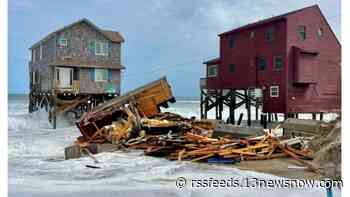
{"points": [[37, 166]]}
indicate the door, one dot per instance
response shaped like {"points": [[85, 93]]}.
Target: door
{"points": [[65, 77]]}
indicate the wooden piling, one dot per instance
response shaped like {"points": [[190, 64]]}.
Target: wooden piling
{"points": [[240, 119], [248, 107], [54, 111], [265, 120], [201, 104], [313, 116], [220, 102], [206, 104], [232, 106]]}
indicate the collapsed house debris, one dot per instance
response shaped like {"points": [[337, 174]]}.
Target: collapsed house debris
{"points": [[134, 121]]}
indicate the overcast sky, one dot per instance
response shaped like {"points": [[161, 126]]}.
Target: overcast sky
{"points": [[162, 37]]}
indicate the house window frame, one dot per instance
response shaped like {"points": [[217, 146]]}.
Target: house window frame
{"points": [[258, 64], [230, 66], [97, 77], [320, 33], [57, 74], [275, 63], [33, 55], [33, 73], [252, 35], [212, 67], [302, 32], [231, 42], [41, 51], [269, 37], [63, 42], [103, 48], [274, 91]]}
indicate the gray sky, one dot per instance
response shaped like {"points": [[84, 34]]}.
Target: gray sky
{"points": [[163, 37]]}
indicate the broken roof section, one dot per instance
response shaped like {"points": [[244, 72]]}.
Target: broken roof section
{"points": [[113, 36]]}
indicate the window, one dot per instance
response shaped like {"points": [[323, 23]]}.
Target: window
{"points": [[232, 43], [41, 52], [232, 67], [71, 77], [212, 71], [269, 34], [33, 55], [75, 74], [57, 74], [63, 42], [101, 74], [98, 47], [278, 63], [302, 32], [101, 48], [320, 33], [274, 91], [33, 78], [252, 35], [261, 64]]}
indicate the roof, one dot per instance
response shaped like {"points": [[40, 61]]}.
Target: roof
{"points": [[212, 61], [79, 64], [268, 20], [113, 36]]}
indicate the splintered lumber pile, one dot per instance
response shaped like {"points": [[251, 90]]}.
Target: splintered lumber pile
{"points": [[134, 121], [177, 138]]}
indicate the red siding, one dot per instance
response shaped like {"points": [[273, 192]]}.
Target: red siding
{"points": [[309, 81], [244, 55], [323, 69]]}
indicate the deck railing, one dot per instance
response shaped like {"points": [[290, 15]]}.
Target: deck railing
{"points": [[88, 87], [75, 87]]}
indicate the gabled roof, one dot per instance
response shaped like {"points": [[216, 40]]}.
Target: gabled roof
{"points": [[268, 20], [113, 36]]}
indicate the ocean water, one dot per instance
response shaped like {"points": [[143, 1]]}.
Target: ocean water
{"points": [[37, 166]]}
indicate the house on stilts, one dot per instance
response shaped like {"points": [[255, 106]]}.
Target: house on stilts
{"points": [[74, 69], [287, 64]]}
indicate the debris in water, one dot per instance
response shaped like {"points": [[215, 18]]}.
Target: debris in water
{"points": [[94, 167], [134, 121]]}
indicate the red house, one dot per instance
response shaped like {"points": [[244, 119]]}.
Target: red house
{"points": [[293, 58]]}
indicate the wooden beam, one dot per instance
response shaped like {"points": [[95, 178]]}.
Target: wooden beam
{"points": [[232, 108], [54, 111], [240, 119], [248, 105], [201, 104]]}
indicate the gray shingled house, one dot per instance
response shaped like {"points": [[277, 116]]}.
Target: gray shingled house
{"points": [[79, 62]]}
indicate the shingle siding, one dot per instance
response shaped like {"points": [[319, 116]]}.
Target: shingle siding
{"points": [[78, 45], [78, 37], [87, 86]]}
